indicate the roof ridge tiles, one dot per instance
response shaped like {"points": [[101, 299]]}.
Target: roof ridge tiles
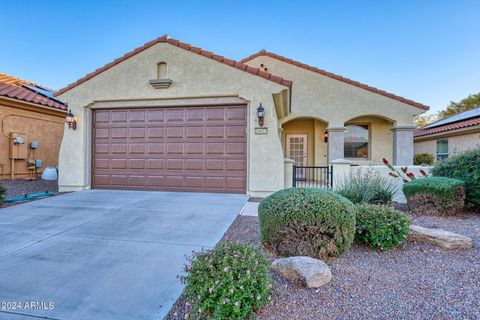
{"points": [[387, 94]]}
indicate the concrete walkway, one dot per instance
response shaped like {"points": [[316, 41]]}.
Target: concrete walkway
{"points": [[102, 254], [250, 209]]}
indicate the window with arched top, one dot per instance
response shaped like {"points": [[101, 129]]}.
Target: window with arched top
{"points": [[162, 70]]}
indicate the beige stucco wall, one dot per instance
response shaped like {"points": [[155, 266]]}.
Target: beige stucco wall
{"points": [[33, 124], [334, 101], [193, 76], [457, 143]]}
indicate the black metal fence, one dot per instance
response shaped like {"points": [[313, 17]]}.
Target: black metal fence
{"points": [[312, 177]]}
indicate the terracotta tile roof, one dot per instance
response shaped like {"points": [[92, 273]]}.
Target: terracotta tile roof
{"points": [[188, 47], [19, 89], [448, 127], [336, 77]]}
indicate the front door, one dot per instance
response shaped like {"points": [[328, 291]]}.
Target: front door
{"points": [[297, 151], [297, 148]]}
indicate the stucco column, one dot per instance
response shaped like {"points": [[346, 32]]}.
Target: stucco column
{"points": [[336, 141], [341, 172], [288, 172], [403, 145]]}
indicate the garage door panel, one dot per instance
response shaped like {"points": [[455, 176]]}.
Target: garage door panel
{"points": [[194, 132], [137, 148], [156, 132], [215, 114], [175, 149], [102, 133], [119, 116], [236, 114], [119, 133], [174, 132], [215, 148], [136, 115], [137, 133], [175, 115]]}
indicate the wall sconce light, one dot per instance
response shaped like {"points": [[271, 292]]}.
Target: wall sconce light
{"points": [[260, 115], [325, 136], [71, 120]]}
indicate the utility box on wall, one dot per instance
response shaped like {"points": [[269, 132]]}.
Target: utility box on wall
{"points": [[18, 146]]}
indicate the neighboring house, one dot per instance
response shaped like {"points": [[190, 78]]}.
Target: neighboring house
{"points": [[170, 116], [446, 137], [28, 111]]}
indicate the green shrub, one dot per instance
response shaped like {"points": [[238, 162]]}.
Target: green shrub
{"points": [[369, 188], [435, 195], [307, 222], [230, 281], [423, 158], [466, 167], [381, 226], [2, 194]]}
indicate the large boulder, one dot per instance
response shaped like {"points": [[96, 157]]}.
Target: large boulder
{"points": [[312, 273], [439, 237]]}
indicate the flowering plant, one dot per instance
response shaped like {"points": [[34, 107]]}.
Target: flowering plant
{"points": [[404, 174], [230, 281]]}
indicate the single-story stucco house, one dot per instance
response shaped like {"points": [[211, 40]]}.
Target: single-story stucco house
{"points": [[32, 124], [449, 136], [171, 116]]}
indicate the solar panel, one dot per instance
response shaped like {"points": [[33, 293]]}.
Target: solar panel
{"points": [[45, 92], [458, 117]]}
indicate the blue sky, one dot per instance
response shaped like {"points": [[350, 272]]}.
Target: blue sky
{"points": [[428, 51]]}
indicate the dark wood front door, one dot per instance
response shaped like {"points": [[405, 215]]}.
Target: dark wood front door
{"points": [[175, 149]]}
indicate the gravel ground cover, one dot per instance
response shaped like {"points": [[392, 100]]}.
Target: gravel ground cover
{"points": [[20, 187], [415, 281]]}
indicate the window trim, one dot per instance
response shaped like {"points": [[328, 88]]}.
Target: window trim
{"points": [[369, 128]]}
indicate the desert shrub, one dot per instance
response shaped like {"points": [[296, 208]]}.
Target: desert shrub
{"points": [[230, 281], [381, 226], [307, 222], [369, 188], [2, 194], [435, 195], [466, 167], [423, 158]]}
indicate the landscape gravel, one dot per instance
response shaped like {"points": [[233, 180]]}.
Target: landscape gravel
{"points": [[415, 281], [20, 187]]}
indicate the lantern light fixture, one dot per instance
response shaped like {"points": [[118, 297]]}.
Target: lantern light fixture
{"points": [[325, 136], [71, 120], [261, 115]]}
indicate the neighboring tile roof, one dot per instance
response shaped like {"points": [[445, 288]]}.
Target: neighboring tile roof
{"points": [[19, 89], [188, 47], [474, 113], [5, 78], [448, 127], [336, 77]]}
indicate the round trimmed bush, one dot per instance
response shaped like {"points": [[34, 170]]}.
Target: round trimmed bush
{"points": [[307, 222], [464, 166], [230, 281], [423, 158], [435, 195], [381, 226]]}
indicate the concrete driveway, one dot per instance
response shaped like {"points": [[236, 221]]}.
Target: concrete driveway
{"points": [[103, 254]]}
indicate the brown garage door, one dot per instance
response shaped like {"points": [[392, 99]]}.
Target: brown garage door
{"points": [[175, 149]]}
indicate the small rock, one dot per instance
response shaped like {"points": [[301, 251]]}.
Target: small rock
{"points": [[312, 273], [439, 237]]}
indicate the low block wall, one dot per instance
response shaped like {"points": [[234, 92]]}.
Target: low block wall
{"points": [[343, 172]]}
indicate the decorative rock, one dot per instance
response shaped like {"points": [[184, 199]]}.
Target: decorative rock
{"points": [[439, 237], [312, 273]]}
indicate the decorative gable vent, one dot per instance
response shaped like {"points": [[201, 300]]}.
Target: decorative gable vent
{"points": [[162, 81]]}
